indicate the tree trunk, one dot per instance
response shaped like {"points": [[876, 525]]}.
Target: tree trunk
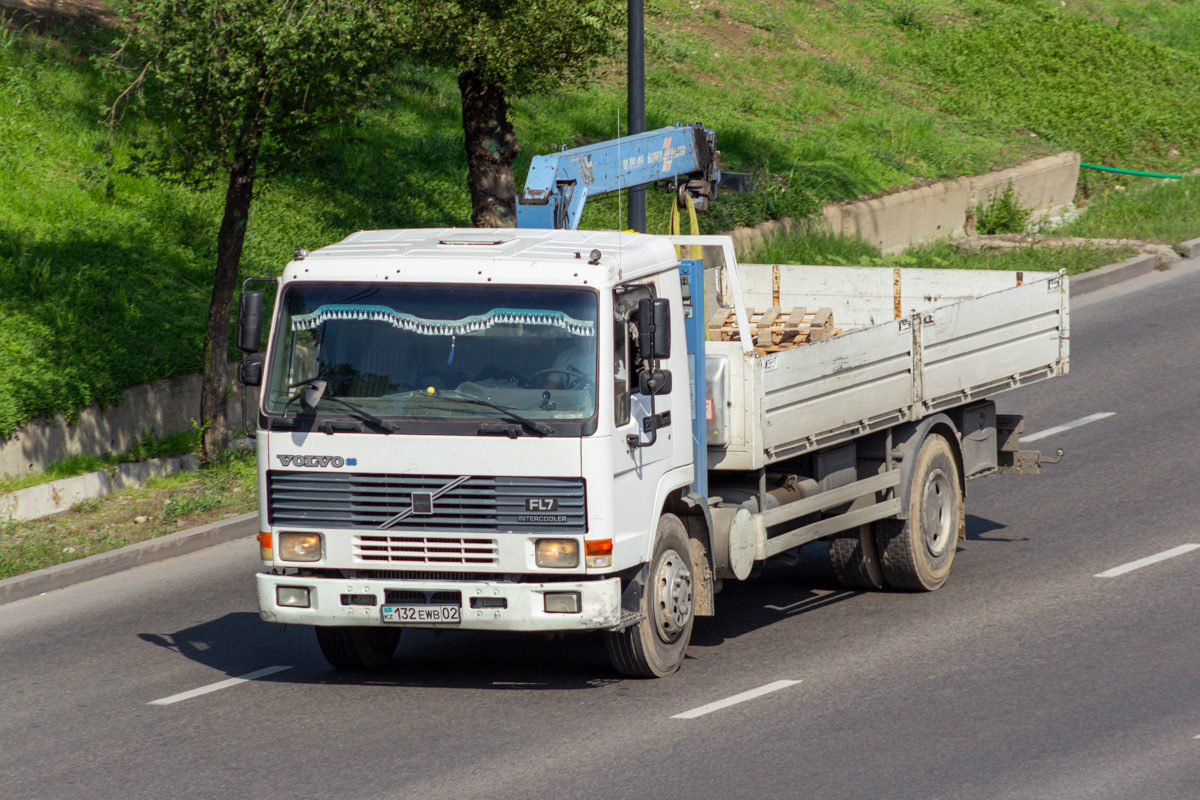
{"points": [[230, 239], [491, 147]]}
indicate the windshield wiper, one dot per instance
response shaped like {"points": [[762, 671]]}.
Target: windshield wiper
{"points": [[312, 395], [534, 425], [365, 416]]}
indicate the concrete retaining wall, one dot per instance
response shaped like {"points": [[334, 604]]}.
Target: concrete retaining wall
{"points": [[897, 221], [163, 407]]}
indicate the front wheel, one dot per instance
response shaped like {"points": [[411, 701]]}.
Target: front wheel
{"points": [[655, 646], [357, 648], [916, 553]]}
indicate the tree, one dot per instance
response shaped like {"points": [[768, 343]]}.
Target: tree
{"points": [[242, 85], [503, 49]]}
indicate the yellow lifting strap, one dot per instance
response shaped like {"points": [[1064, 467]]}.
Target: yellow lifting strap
{"points": [[696, 252], [692, 221]]}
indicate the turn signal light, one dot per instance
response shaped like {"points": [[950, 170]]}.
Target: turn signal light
{"points": [[600, 547], [599, 552], [264, 546]]}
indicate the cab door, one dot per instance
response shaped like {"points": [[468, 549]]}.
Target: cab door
{"points": [[636, 470]]}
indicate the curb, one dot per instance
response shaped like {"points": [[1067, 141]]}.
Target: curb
{"points": [[60, 576], [1189, 249], [1113, 273]]}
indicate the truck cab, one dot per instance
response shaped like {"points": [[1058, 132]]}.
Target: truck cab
{"points": [[455, 429]]}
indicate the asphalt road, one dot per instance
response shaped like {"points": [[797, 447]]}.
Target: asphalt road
{"points": [[1026, 676]]}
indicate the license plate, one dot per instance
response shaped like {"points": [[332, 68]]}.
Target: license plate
{"points": [[425, 614]]}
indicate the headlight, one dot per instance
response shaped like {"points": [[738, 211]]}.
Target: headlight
{"points": [[294, 596], [300, 546], [557, 553]]}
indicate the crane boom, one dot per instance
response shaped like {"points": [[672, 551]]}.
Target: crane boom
{"points": [[559, 184]]}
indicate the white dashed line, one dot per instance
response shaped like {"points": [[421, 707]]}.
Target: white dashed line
{"points": [[213, 687], [1147, 561], [1066, 426], [737, 698]]}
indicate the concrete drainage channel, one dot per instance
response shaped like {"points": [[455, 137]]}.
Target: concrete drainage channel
{"points": [[245, 525]]}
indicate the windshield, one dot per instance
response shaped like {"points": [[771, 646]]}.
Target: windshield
{"points": [[409, 352]]}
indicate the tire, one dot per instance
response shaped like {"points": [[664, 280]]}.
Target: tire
{"points": [[655, 647], [916, 553], [854, 559], [358, 647]]}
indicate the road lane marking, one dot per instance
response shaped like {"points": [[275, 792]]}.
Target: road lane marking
{"points": [[1066, 426], [213, 687], [1147, 561], [737, 698]]}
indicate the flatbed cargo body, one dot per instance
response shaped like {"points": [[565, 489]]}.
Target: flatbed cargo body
{"points": [[919, 341]]}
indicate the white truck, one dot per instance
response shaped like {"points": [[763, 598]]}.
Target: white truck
{"points": [[556, 430]]}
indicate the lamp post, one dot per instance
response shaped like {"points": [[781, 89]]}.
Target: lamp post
{"points": [[636, 98]]}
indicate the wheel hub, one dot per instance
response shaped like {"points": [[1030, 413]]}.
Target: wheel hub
{"points": [[937, 511], [672, 596]]}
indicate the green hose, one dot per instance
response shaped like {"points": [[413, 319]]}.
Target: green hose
{"points": [[1130, 171]]}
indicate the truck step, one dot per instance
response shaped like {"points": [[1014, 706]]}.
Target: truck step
{"points": [[628, 618]]}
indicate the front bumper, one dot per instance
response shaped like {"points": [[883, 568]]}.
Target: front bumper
{"points": [[600, 603]]}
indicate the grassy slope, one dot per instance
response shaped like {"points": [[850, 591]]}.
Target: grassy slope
{"points": [[103, 264]]}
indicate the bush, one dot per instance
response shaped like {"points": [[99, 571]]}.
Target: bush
{"points": [[1004, 213]]}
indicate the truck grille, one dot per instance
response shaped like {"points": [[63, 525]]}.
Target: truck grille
{"points": [[424, 550], [359, 501]]}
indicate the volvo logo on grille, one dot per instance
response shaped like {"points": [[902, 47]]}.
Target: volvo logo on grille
{"points": [[422, 502]]}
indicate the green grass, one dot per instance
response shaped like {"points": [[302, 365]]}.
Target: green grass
{"points": [[1170, 23], [105, 260], [1067, 80], [1166, 212]]}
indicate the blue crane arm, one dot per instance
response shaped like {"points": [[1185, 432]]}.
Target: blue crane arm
{"points": [[559, 184]]}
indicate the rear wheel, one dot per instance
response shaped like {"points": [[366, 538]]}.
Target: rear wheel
{"points": [[358, 648], [916, 553], [655, 647], [854, 560]]}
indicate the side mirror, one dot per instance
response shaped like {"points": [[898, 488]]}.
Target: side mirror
{"points": [[654, 328], [249, 330], [250, 371], [651, 382]]}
